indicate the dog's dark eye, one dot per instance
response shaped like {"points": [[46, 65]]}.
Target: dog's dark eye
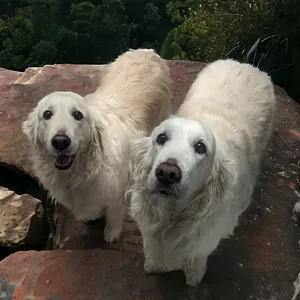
{"points": [[47, 114], [77, 115], [200, 148], [161, 139]]}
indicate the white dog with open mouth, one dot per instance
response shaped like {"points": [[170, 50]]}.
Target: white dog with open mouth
{"points": [[195, 175], [80, 147]]}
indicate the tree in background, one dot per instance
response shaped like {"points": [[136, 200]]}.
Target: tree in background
{"points": [[16, 35], [149, 21], [38, 32], [273, 44], [265, 33], [60, 31], [171, 48], [208, 29]]}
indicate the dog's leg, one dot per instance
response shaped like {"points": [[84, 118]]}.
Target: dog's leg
{"points": [[114, 220], [149, 263], [194, 270], [154, 257], [151, 266]]}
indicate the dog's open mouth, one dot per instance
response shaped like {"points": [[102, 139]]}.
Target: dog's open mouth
{"points": [[163, 192], [64, 162], [168, 191]]}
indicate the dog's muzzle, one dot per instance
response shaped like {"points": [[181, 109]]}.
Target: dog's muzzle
{"points": [[61, 143]]}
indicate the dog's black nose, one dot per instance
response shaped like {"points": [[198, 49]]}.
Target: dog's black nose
{"points": [[61, 142], [168, 172]]}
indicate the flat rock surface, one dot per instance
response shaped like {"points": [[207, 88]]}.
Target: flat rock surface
{"points": [[21, 220], [260, 262]]}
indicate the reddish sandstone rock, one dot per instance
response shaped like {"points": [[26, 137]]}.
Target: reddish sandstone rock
{"points": [[21, 220], [84, 275], [8, 76]]}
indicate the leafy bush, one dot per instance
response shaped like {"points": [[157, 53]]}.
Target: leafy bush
{"points": [[265, 33]]}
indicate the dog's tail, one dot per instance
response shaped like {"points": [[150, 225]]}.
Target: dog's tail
{"points": [[139, 82]]}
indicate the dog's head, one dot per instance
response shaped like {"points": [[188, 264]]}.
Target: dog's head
{"points": [[181, 159], [182, 155], [60, 124]]}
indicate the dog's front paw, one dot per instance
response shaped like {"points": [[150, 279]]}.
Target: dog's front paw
{"points": [[111, 234], [149, 267], [193, 277]]}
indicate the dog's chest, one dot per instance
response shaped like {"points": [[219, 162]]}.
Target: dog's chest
{"points": [[183, 241], [84, 205], [185, 235], [87, 198]]}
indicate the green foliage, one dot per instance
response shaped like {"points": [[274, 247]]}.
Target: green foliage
{"points": [[165, 48], [38, 32], [209, 28], [150, 23], [44, 52], [273, 44], [170, 48], [16, 36], [262, 32]]}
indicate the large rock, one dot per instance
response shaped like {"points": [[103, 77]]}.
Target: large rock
{"points": [[260, 262], [21, 220], [84, 275]]}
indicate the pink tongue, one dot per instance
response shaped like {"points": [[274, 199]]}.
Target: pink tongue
{"points": [[63, 160]]}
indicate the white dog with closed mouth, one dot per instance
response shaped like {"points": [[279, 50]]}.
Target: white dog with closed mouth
{"points": [[195, 174], [80, 147]]}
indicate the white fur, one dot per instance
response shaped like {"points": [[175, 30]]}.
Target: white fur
{"points": [[230, 109], [133, 98]]}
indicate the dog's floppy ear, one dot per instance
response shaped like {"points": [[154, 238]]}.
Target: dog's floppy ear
{"points": [[97, 129], [141, 157], [140, 164], [221, 174], [30, 127], [218, 182]]}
